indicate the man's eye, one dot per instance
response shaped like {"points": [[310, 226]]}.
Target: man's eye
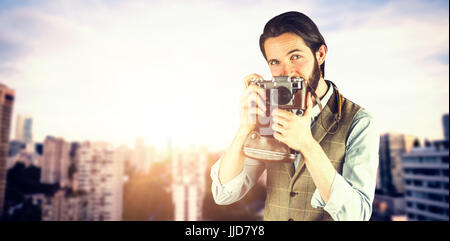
{"points": [[295, 56], [273, 62]]}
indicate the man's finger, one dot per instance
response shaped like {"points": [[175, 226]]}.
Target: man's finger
{"points": [[254, 89], [254, 100], [278, 128], [282, 113], [261, 92], [278, 136], [249, 78], [257, 111], [281, 121], [247, 94]]}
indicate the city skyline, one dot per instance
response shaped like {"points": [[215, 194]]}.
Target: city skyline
{"points": [[92, 165], [81, 71]]}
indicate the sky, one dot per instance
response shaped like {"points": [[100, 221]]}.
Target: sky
{"points": [[173, 70]]}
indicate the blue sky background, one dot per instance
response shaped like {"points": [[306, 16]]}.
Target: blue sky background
{"points": [[115, 70]]}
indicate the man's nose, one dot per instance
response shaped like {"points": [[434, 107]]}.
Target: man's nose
{"points": [[288, 70]]}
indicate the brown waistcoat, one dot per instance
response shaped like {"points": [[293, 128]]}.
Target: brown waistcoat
{"points": [[288, 193]]}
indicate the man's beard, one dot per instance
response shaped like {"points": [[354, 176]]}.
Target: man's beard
{"points": [[315, 75]]}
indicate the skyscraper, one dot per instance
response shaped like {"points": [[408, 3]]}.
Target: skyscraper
{"points": [[6, 108], [24, 125], [188, 187], [445, 125], [100, 175], [426, 182], [392, 146], [141, 158], [55, 161]]}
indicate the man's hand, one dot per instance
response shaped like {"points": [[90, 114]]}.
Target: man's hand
{"points": [[293, 130], [252, 103]]}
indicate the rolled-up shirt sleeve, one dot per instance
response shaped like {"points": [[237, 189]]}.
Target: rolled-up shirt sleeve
{"points": [[352, 193], [236, 188]]}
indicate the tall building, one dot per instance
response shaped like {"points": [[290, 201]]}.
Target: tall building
{"points": [[21, 152], [141, 158], [6, 109], [426, 182], [14, 148], [445, 125], [24, 132], [188, 187], [100, 175], [124, 155], [61, 205], [24, 157], [392, 146], [73, 164], [55, 161]]}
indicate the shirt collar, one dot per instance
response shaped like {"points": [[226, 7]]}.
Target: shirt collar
{"points": [[324, 101]]}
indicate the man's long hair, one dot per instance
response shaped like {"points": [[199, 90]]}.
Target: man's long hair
{"points": [[297, 23]]}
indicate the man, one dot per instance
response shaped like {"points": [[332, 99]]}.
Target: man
{"points": [[334, 175]]}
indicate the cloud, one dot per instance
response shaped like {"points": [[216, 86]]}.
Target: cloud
{"points": [[394, 52], [117, 70]]}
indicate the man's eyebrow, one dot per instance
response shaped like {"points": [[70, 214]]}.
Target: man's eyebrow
{"points": [[290, 52], [270, 60], [294, 50]]}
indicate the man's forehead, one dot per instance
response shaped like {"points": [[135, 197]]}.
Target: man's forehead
{"points": [[284, 44]]}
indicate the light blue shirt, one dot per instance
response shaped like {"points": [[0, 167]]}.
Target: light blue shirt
{"points": [[352, 193]]}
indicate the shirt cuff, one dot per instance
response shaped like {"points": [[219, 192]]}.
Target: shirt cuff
{"points": [[336, 200], [230, 187]]}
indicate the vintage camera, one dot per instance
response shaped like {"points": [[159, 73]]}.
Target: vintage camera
{"points": [[282, 92]]}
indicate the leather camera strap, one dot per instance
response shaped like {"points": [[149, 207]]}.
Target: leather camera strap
{"points": [[339, 101]]}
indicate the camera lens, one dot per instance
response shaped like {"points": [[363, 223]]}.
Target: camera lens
{"points": [[284, 96]]}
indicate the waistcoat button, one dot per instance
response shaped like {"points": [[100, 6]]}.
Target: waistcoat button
{"points": [[290, 219], [293, 194]]}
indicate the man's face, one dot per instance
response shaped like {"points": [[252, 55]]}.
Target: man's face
{"points": [[288, 55]]}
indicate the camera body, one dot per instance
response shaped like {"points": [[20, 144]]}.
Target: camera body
{"points": [[282, 92]]}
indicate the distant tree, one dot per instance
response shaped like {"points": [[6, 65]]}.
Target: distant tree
{"points": [[28, 212], [21, 180], [129, 170], [147, 197], [72, 170]]}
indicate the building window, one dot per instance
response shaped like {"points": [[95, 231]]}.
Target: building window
{"points": [[430, 160], [417, 183], [436, 210], [432, 184], [421, 218], [429, 172], [426, 172], [420, 206], [435, 197], [419, 195], [409, 204]]}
